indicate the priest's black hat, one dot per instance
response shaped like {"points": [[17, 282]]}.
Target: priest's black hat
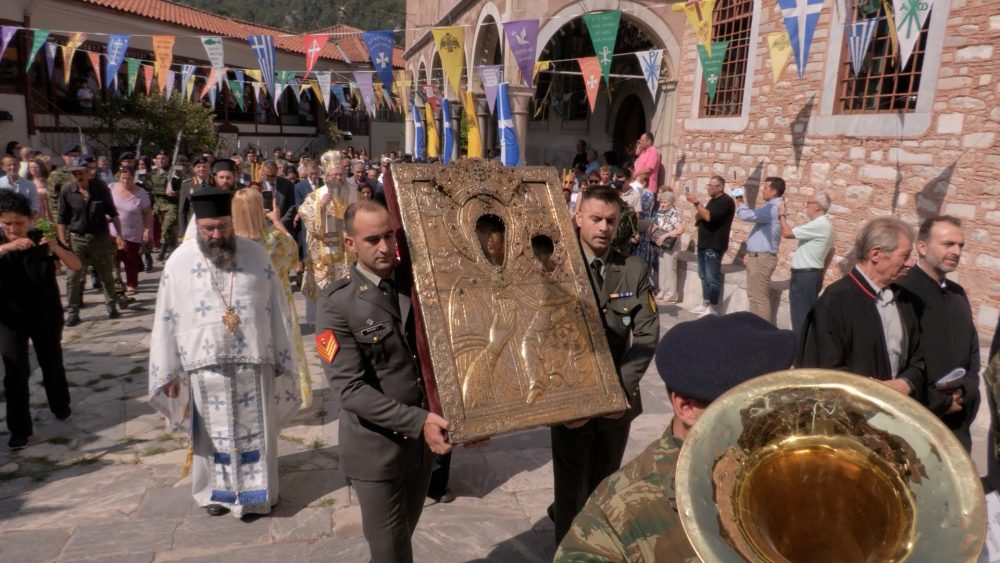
{"points": [[703, 359], [223, 164], [211, 202]]}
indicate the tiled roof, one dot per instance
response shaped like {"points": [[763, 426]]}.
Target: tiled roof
{"points": [[349, 39]]}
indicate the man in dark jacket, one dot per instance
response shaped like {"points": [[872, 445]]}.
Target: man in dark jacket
{"points": [[284, 195]]}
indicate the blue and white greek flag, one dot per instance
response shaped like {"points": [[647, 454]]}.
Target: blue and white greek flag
{"points": [[117, 45], [418, 133], [800, 21], [448, 154], [509, 154], [859, 38], [263, 47]]}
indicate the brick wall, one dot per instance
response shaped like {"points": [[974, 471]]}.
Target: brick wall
{"points": [[951, 168]]}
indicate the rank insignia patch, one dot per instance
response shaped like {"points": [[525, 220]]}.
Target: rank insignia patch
{"points": [[327, 346]]}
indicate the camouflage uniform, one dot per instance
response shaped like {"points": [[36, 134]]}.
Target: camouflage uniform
{"points": [[632, 515], [165, 207], [57, 179], [992, 377], [627, 228]]}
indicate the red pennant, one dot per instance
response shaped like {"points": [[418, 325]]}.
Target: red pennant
{"points": [[590, 67], [327, 346], [147, 74], [314, 46], [95, 61]]}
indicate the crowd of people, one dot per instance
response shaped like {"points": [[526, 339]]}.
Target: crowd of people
{"points": [[239, 235]]}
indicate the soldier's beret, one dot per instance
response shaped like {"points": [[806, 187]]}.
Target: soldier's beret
{"points": [[703, 359], [200, 159], [127, 155], [159, 152], [71, 148]]}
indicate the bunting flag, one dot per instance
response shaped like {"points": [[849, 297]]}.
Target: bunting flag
{"points": [[51, 48], [132, 68], [314, 91], [214, 50], [95, 61], [163, 52], [800, 22], [236, 89], [489, 76], [474, 140], [212, 84], [448, 153], [212, 96], [891, 23], [284, 79], [187, 80], [402, 85], [603, 28], [431, 96], [380, 45], [379, 98], [169, 84], [364, 80], [910, 16], [41, 35], [699, 14], [711, 65], [418, 133], [590, 68], [6, 34], [254, 74], [258, 98], [781, 50], [433, 140], [450, 43], [510, 155], [859, 39], [314, 46], [540, 66], [323, 83], [522, 39], [650, 62], [72, 44], [263, 47], [117, 44], [338, 92], [147, 73]]}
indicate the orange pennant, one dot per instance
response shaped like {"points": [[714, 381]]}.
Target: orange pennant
{"points": [[590, 68], [95, 61], [327, 346]]}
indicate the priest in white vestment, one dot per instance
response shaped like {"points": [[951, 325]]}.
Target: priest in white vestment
{"points": [[221, 359]]}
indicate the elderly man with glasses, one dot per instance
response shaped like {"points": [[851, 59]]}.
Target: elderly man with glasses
{"points": [[810, 260]]}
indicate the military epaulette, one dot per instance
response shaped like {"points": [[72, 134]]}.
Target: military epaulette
{"points": [[338, 284]]}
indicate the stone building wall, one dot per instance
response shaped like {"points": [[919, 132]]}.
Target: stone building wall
{"points": [[952, 167]]}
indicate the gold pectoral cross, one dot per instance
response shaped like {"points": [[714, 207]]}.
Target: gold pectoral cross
{"points": [[231, 319]]}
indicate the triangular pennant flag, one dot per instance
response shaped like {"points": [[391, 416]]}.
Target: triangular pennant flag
{"points": [[254, 74], [431, 96], [418, 132], [474, 139], [402, 85], [257, 87], [283, 79], [590, 68], [263, 47], [711, 65], [314, 46], [510, 153], [489, 76], [212, 96], [364, 80], [603, 27], [215, 51], [379, 97], [39, 39], [323, 80], [117, 45], [6, 34], [338, 91], [650, 62], [449, 133], [147, 73], [187, 80], [433, 141], [212, 83], [132, 67], [859, 38], [72, 44], [315, 92], [540, 66], [380, 48], [699, 14], [169, 84], [450, 43], [51, 48], [163, 53], [522, 39], [800, 22], [95, 61], [910, 16], [781, 50], [893, 37], [236, 89]]}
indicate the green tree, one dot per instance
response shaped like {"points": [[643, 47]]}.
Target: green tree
{"points": [[156, 121]]}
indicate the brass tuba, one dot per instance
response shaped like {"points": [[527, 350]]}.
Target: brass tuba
{"points": [[824, 466]]}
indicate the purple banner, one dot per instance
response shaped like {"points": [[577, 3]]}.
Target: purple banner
{"points": [[489, 76], [522, 38], [51, 48], [6, 34]]}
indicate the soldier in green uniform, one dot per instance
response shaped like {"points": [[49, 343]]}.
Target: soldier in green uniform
{"points": [[61, 176], [164, 192], [199, 178], [632, 516]]}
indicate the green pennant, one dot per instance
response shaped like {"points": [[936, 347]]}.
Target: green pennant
{"points": [[603, 28], [711, 65], [237, 91], [40, 36], [133, 73]]}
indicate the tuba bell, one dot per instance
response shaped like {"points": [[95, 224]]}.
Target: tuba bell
{"points": [[823, 466]]}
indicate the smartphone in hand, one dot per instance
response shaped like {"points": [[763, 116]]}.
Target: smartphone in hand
{"points": [[268, 200]]}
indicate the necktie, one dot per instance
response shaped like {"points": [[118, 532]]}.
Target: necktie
{"points": [[595, 267], [389, 289]]}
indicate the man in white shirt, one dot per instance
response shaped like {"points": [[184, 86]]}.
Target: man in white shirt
{"points": [[809, 261], [12, 181]]}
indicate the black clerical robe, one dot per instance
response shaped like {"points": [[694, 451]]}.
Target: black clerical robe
{"points": [[844, 332], [949, 340]]}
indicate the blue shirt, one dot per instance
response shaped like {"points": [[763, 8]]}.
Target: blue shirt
{"points": [[766, 232], [24, 187]]}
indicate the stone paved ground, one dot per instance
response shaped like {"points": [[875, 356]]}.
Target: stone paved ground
{"points": [[105, 484]]}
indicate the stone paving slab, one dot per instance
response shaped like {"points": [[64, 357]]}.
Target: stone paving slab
{"points": [[28, 546]]}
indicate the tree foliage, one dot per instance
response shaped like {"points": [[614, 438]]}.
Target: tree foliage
{"points": [[156, 121], [308, 15]]}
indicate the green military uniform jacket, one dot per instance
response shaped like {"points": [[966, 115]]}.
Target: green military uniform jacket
{"points": [[157, 187], [992, 377], [632, 516], [57, 179]]}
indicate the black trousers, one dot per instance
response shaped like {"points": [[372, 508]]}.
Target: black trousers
{"points": [[581, 459], [47, 338], [439, 477]]}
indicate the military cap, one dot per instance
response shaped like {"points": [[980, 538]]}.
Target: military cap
{"points": [[200, 159], [127, 155], [159, 152], [70, 148], [703, 359], [79, 163]]}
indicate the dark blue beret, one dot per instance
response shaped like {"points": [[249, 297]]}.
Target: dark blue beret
{"points": [[703, 359]]}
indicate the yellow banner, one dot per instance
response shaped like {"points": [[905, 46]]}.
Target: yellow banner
{"points": [[700, 15], [72, 45], [781, 51], [889, 19], [379, 97], [163, 51], [474, 140], [316, 91], [540, 66], [450, 43], [432, 133], [402, 85], [255, 74]]}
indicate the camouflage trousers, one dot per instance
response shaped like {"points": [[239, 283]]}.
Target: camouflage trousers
{"points": [[167, 213], [92, 250]]}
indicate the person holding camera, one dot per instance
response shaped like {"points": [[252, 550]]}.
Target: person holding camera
{"points": [[666, 229], [30, 308]]}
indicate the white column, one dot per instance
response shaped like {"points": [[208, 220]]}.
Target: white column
{"points": [[520, 101]]}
